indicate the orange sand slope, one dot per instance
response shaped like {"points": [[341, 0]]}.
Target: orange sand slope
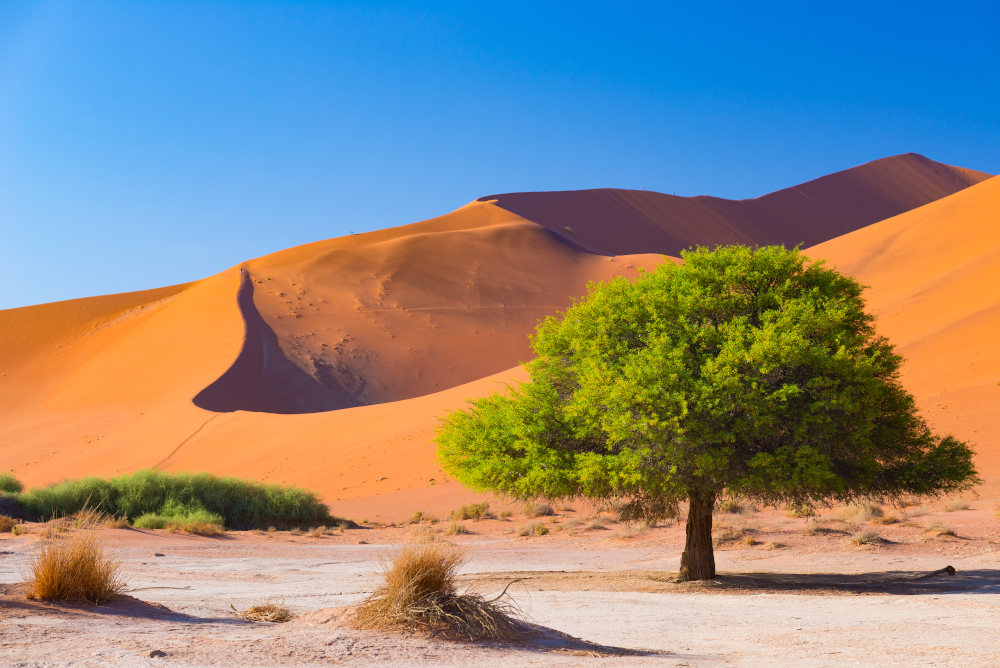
{"points": [[612, 221], [933, 274], [327, 365]]}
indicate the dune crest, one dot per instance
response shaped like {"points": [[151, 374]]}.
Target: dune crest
{"points": [[613, 221]]}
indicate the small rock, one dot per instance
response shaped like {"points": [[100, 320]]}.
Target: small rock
{"points": [[159, 554], [157, 653]]}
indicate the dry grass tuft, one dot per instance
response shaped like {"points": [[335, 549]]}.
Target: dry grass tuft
{"points": [[20, 529], [867, 538], [533, 529], [733, 507], [506, 513], [457, 529], [317, 532], [539, 510], [939, 531], [473, 511], [7, 523], [75, 570], [266, 612], [862, 511], [420, 591], [886, 519], [955, 504], [197, 528]]}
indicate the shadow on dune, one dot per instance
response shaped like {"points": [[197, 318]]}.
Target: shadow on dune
{"points": [[263, 380]]}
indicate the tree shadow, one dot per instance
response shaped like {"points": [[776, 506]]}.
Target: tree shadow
{"points": [[979, 581]]}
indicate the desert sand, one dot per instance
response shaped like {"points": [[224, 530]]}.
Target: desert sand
{"points": [[327, 365], [597, 596]]}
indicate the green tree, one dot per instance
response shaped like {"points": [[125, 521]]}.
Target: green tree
{"points": [[751, 373]]}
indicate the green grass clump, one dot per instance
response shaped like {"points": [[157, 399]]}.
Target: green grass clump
{"points": [[9, 484], [175, 517], [241, 504]]}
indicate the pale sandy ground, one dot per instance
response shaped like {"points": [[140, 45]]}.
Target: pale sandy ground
{"points": [[813, 600]]}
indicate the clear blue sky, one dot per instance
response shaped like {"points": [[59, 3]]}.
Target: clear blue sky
{"points": [[150, 143]]}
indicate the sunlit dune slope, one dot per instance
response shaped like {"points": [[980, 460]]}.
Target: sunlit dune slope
{"points": [[934, 274], [613, 221]]}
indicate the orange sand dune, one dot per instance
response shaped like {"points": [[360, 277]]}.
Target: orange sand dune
{"points": [[327, 365], [613, 221], [933, 274]]}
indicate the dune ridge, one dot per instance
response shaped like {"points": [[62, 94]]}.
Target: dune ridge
{"points": [[613, 221], [327, 365]]}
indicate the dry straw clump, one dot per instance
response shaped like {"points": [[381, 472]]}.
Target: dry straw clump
{"points": [[539, 510], [473, 511], [420, 591], [955, 505], [74, 570], [266, 612], [7, 523], [862, 511], [866, 538]]}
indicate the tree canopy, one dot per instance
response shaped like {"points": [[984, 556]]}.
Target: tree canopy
{"points": [[754, 373]]}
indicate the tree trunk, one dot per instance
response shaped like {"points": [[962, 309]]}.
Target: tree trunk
{"points": [[698, 559]]}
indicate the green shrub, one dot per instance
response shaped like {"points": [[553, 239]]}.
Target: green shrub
{"points": [[240, 504], [10, 484]]}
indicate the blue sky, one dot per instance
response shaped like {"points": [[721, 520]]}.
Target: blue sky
{"points": [[150, 143]]}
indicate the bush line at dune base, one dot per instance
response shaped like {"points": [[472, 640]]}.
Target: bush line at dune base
{"points": [[152, 499]]}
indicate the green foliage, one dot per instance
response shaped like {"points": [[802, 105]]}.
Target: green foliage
{"points": [[174, 513], [754, 373], [239, 504], [9, 484]]}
